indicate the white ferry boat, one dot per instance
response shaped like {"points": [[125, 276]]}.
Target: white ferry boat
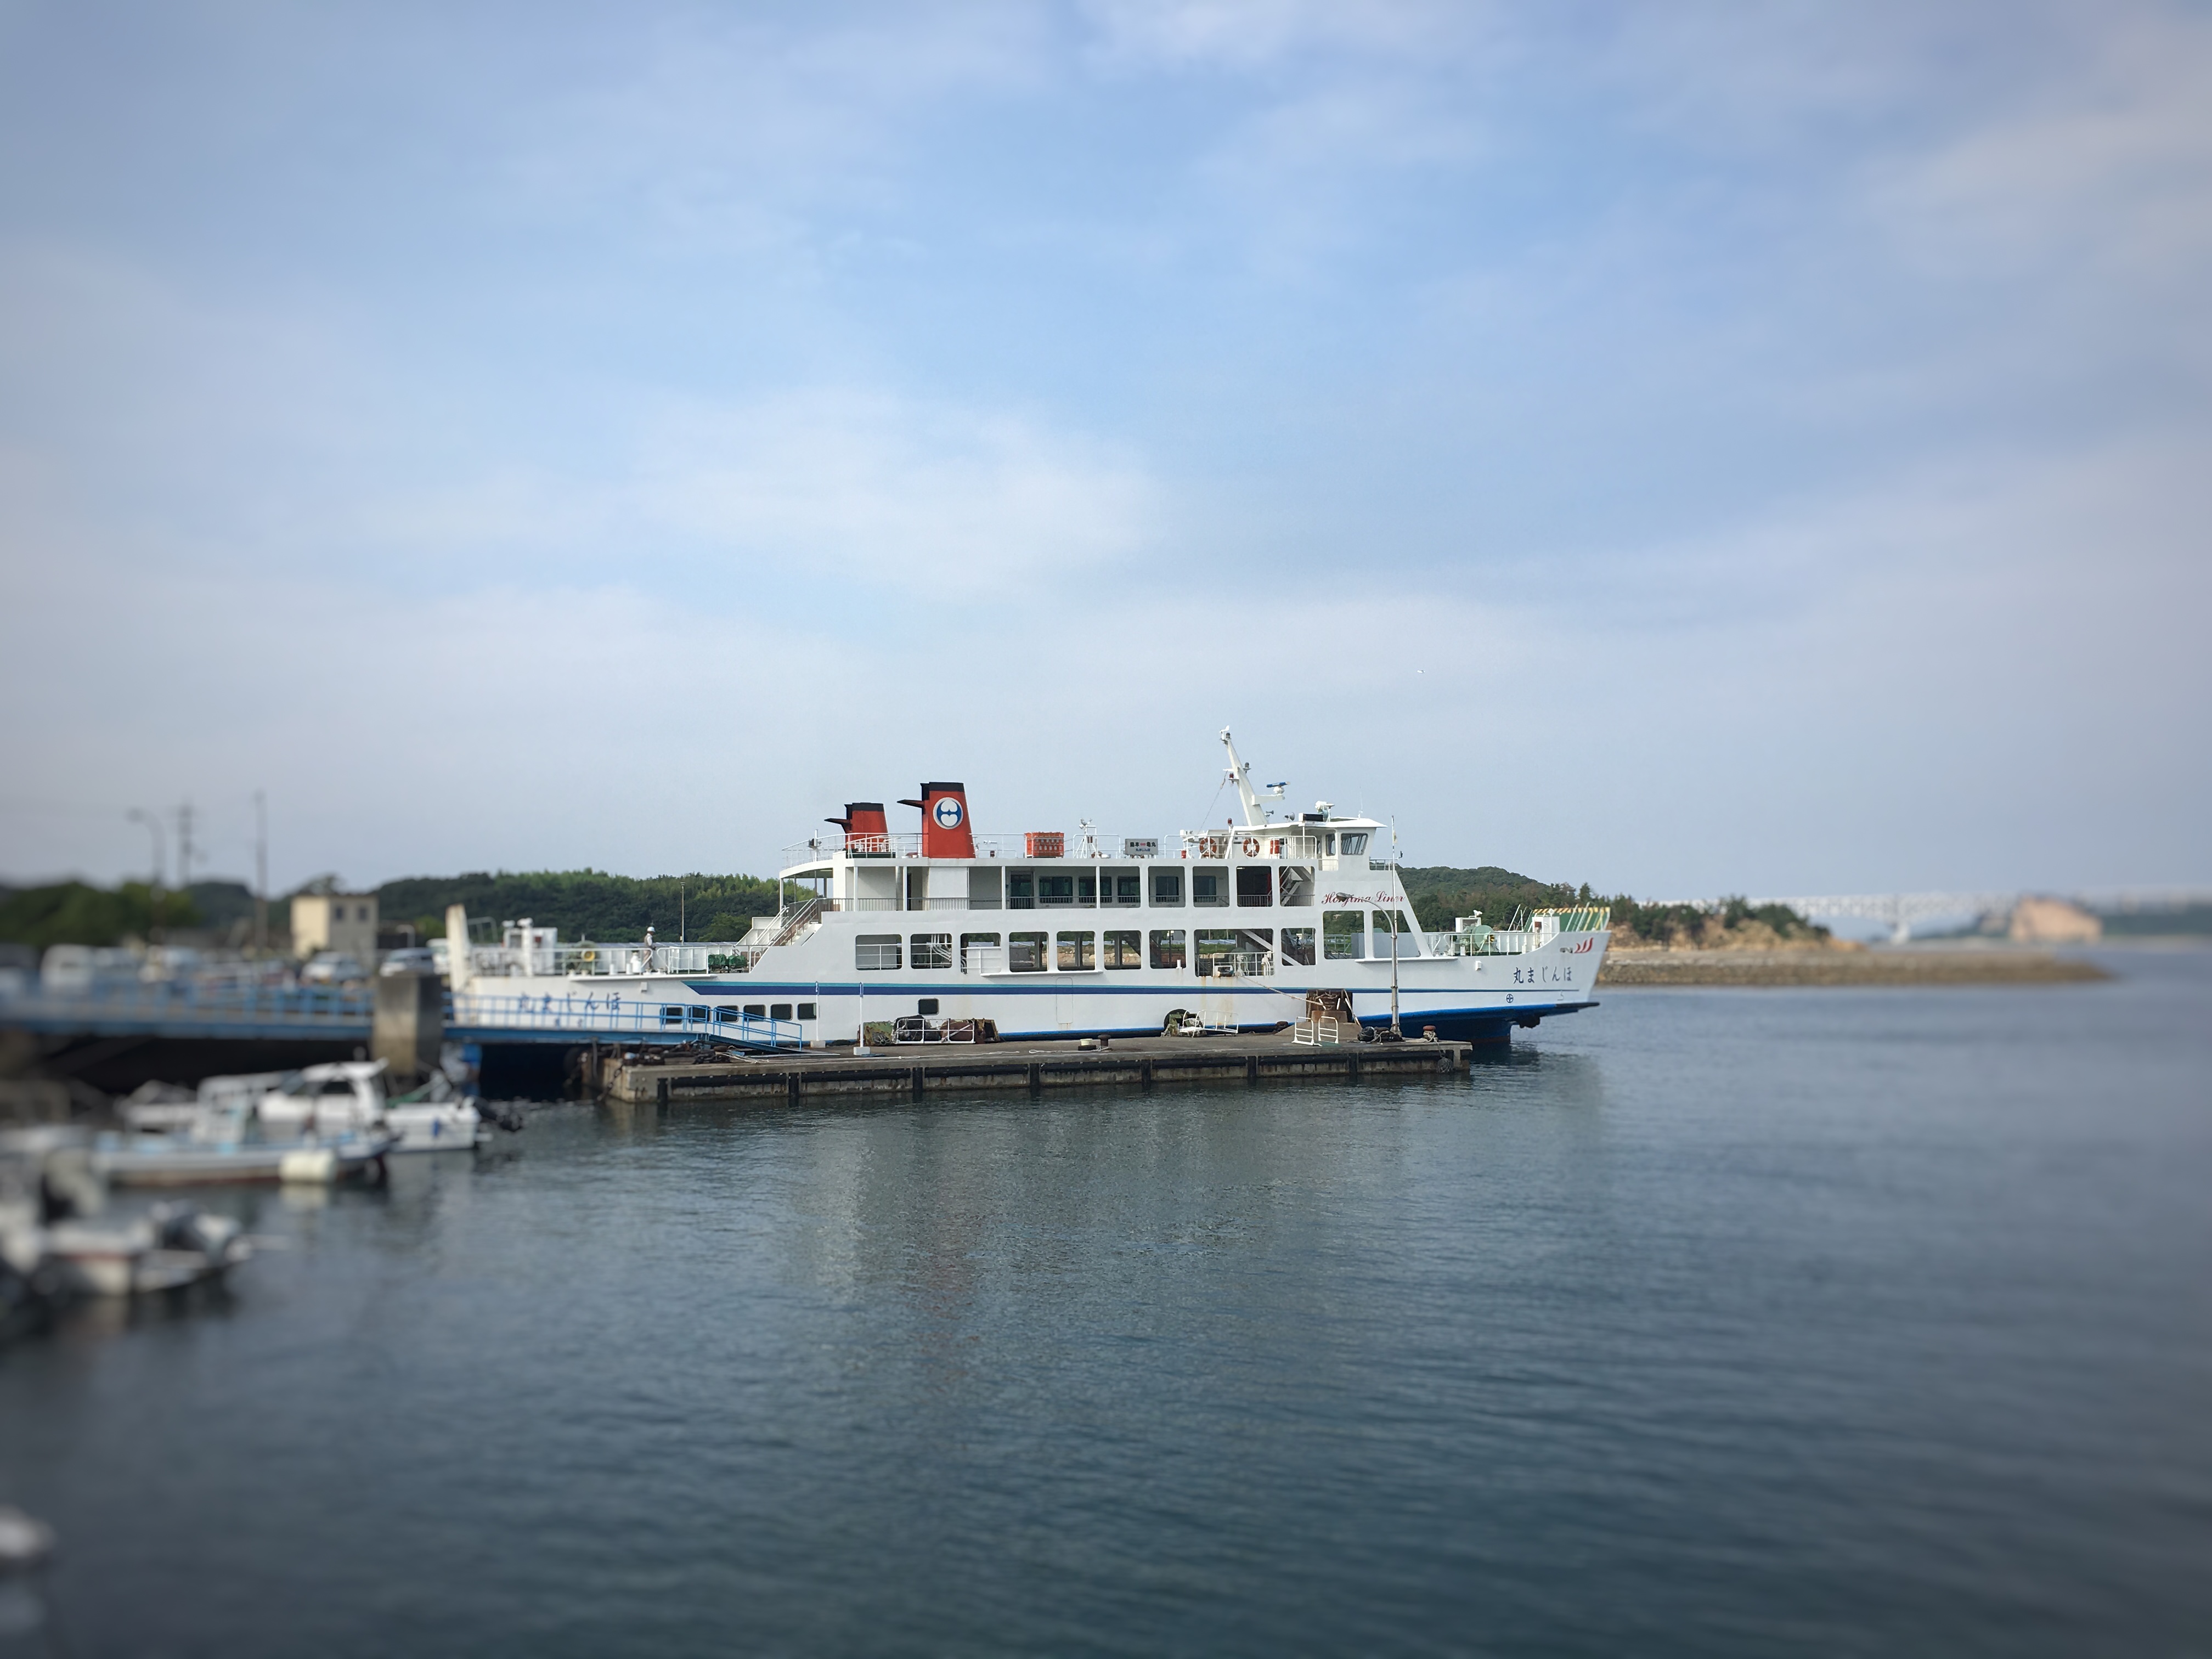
{"points": [[944, 935]]}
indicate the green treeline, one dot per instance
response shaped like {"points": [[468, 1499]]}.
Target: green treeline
{"points": [[593, 904], [585, 904], [1438, 894], [78, 913]]}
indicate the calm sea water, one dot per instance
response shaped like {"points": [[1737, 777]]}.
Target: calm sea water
{"points": [[1744, 1322]]}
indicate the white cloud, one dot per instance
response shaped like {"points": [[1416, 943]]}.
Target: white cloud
{"points": [[839, 486], [730, 130], [1249, 35], [2104, 162]]}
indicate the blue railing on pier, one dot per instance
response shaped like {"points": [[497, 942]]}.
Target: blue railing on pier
{"points": [[347, 1015], [183, 1009]]}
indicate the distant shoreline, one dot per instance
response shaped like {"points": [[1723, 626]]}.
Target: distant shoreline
{"points": [[1985, 966]]}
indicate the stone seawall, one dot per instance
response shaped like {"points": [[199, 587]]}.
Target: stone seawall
{"points": [[1625, 969]]}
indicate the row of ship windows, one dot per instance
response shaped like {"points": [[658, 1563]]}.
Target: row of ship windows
{"points": [[1070, 952], [696, 1013], [1255, 885]]}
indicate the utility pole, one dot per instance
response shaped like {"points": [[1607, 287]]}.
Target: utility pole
{"points": [[261, 874], [153, 823], [185, 845]]}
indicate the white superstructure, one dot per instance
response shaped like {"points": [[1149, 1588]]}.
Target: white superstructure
{"points": [[1048, 935]]}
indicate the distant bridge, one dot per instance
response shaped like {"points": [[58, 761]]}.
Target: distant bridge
{"points": [[1901, 911]]}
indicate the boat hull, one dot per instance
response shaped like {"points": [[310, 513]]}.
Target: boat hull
{"points": [[141, 1165]]}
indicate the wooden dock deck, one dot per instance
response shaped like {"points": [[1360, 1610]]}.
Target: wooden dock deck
{"points": [[648, 1079]]}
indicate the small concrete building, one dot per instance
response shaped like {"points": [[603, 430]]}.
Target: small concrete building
{"points": [[336, 921]]}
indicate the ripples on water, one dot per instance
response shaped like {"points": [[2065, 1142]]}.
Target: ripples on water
{"points": [[1845, 1322]]}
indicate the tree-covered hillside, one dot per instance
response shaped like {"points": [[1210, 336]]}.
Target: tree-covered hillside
{"points": [[585, 904], [78, 913], [1440, 893]]}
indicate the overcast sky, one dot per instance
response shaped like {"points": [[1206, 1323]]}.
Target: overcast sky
{"points": [[1689, 449]]}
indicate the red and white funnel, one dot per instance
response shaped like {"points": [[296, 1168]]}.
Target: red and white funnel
{"points": [[944, 831]]}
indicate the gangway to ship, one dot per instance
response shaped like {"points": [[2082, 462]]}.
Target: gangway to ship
{"points": [[491, 1017], [348, 1015]]}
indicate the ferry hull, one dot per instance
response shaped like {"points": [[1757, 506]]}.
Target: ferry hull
{"points": [[1466, 998]]}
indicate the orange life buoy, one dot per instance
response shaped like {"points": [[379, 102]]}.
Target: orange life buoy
{"points": [[1251, 846]]}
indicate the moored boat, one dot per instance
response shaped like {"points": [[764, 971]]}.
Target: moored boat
{"points": [[57, 1242], [350, 1096], [178, 1160]]}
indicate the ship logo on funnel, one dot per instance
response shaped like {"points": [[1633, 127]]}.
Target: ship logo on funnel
{"points": [[947, 812]]}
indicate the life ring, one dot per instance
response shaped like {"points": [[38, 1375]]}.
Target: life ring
{"points": [[1251, 846]]}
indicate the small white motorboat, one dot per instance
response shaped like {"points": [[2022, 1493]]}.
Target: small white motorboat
{"points": [[350, 1097], [219, 1140], [57, 1243], [166, 1248]]}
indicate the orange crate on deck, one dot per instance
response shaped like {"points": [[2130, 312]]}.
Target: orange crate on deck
{"points": [[1046, 844]]}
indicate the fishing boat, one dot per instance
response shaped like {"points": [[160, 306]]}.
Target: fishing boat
{"points": [[923, 936]]}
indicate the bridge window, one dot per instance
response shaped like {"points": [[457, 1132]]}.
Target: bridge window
{"points": [[1168, 946], [807, 1011], [1124, 950], [1351, 845], [876, 952], [931, 951], [1025, 953], [1210, 886], [1343, 934], [1255, 885], [1299, 945], [1167, 889], [1078, 952]]}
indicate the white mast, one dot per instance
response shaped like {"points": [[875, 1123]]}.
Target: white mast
{"points": [[1240, 773]]}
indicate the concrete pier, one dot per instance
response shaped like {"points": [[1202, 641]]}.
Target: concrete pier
{"points": [[408, 1025], [646, 1078]]}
